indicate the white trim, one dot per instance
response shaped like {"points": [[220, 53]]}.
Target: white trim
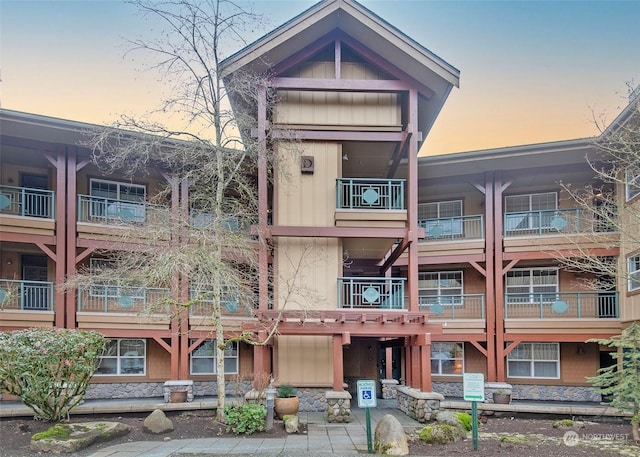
{"points": [[532, 361]]}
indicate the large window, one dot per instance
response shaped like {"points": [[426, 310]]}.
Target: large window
{"points": [[632, 183], [441, 219], [440, 287], [123, 357], [534, 360], [531, 285], [115, 289], [527, 212], [447, 358], [117, 200], [633, 270], [203, 358]]}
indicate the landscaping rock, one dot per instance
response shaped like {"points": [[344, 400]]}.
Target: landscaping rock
{"points": [[291, 423], [157, 422], [442, 433], [69, 438], [389, 437], [445, 416]]}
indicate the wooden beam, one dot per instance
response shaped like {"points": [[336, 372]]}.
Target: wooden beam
{"points": [[339, 85], [332, 232], [477, 345], [336, 135]]}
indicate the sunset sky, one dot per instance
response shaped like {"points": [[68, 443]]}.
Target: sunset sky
{"points": [[530, 71]]}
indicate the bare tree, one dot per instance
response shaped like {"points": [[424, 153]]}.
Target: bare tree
{"points": [[198, 245]]}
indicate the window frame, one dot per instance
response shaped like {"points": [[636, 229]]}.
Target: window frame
{"points": [[527, 214], [234, 347], [451, 350], [122, 357], [633, 275], [631, 184], [453, 224], [531, 293], [532, 360], [457, 301], [137, 206], [114, 291]]}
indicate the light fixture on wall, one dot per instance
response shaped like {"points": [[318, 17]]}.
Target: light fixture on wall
{"points": [[580, 350], [9, 261], [345, 157]]}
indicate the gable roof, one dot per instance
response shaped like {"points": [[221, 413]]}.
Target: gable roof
{"points": [[366, 28]]}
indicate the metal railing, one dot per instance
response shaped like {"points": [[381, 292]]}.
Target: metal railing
{"points": [[573, 220], [24, 201], [203, 305], [111, 211], [565, 305], [26, 295], [453, 228], [114, 298], [365, 193], [372, 293], [464, 306]]}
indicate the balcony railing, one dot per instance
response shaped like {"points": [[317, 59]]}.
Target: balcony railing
{"points": [[26, 295], [365, 193], [453, 228], [371, 293], [109, 298], [203, 306], [562, 305], [23, 201], [110, 211], [575, 220], [465, 306]]}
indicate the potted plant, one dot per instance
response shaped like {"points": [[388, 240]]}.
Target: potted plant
{"points": [[287, 401], [502, 396]]}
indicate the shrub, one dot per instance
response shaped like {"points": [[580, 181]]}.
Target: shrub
{"points": [[49, 369], [465, 420], [247, 418], [286, 391]]}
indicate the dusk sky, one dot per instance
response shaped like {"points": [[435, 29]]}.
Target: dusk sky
{"points": [[531, 71]]}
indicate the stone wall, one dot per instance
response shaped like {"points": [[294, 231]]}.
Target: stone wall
{"points": [[448, 389], [554, 393], [418, 405], [389, 389], [338, 406]]}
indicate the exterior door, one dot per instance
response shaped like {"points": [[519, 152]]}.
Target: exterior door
{"points": [[34, 272], [36, 204]]}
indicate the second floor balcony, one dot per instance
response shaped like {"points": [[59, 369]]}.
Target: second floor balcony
{"points": [[453, 228], [371, 293], [26, 295], [114, 298], [370, 194], [27, 202], [452, 307], [562, 305], [110, 211], [553, 222]]}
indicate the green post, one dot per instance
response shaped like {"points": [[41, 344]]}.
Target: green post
{"points": [[369, 442], [474, 424]]}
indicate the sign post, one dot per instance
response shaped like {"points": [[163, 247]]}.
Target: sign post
{"points": [[367, 399], [473, 391]]}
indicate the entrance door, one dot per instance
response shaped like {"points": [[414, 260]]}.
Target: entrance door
{"points": [[36, 294], [36, 204]]}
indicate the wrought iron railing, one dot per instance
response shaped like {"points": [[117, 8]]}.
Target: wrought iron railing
{"points": [[453, 228], [366, 193], [566, 305], [464, 306], [24, 201], [372, 293], [26, 295]]}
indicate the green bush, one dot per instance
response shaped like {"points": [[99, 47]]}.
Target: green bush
{"points": [[49, 369], [247, 418], [465, 420], [286, 391]]}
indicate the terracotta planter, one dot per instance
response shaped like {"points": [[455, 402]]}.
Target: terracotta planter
{"points": [[178, 396], [284, 406], [501, 399]]}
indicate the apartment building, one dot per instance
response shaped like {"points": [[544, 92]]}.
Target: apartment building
{"points": [[424, 268]]}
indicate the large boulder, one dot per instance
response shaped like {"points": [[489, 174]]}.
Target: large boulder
{"points": [[69, 438], [389, 437], [157, 422], [440, 433], [291, 423]]}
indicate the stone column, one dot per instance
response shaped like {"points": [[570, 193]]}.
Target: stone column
{"points": [[338, 406]]}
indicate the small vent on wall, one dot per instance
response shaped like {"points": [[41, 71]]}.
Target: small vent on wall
{"points": [[306, 164]]}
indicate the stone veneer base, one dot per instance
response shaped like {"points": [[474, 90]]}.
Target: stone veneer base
{"points": [[418, 405], [529, 392], [338, 406]]}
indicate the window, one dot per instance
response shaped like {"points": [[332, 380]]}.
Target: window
{"points": [[633, 267], [117, 200], [440, 287], [447, 359], [524, 285], [123, 357], [203, 358], [534, 360], [632, 183], [115, 290], [441, 219], [527, 212]]}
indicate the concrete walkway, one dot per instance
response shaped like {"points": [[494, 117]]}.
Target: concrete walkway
{"points": [[321, 438]]}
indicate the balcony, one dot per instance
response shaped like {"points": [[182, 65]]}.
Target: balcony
{"points": [[26, 304], [371, 293], [26, 202], [553, 222], [370, 194], [562, 305], [453, 228], [109, 211], [452, 307], [203, 305], [26, 295]]}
